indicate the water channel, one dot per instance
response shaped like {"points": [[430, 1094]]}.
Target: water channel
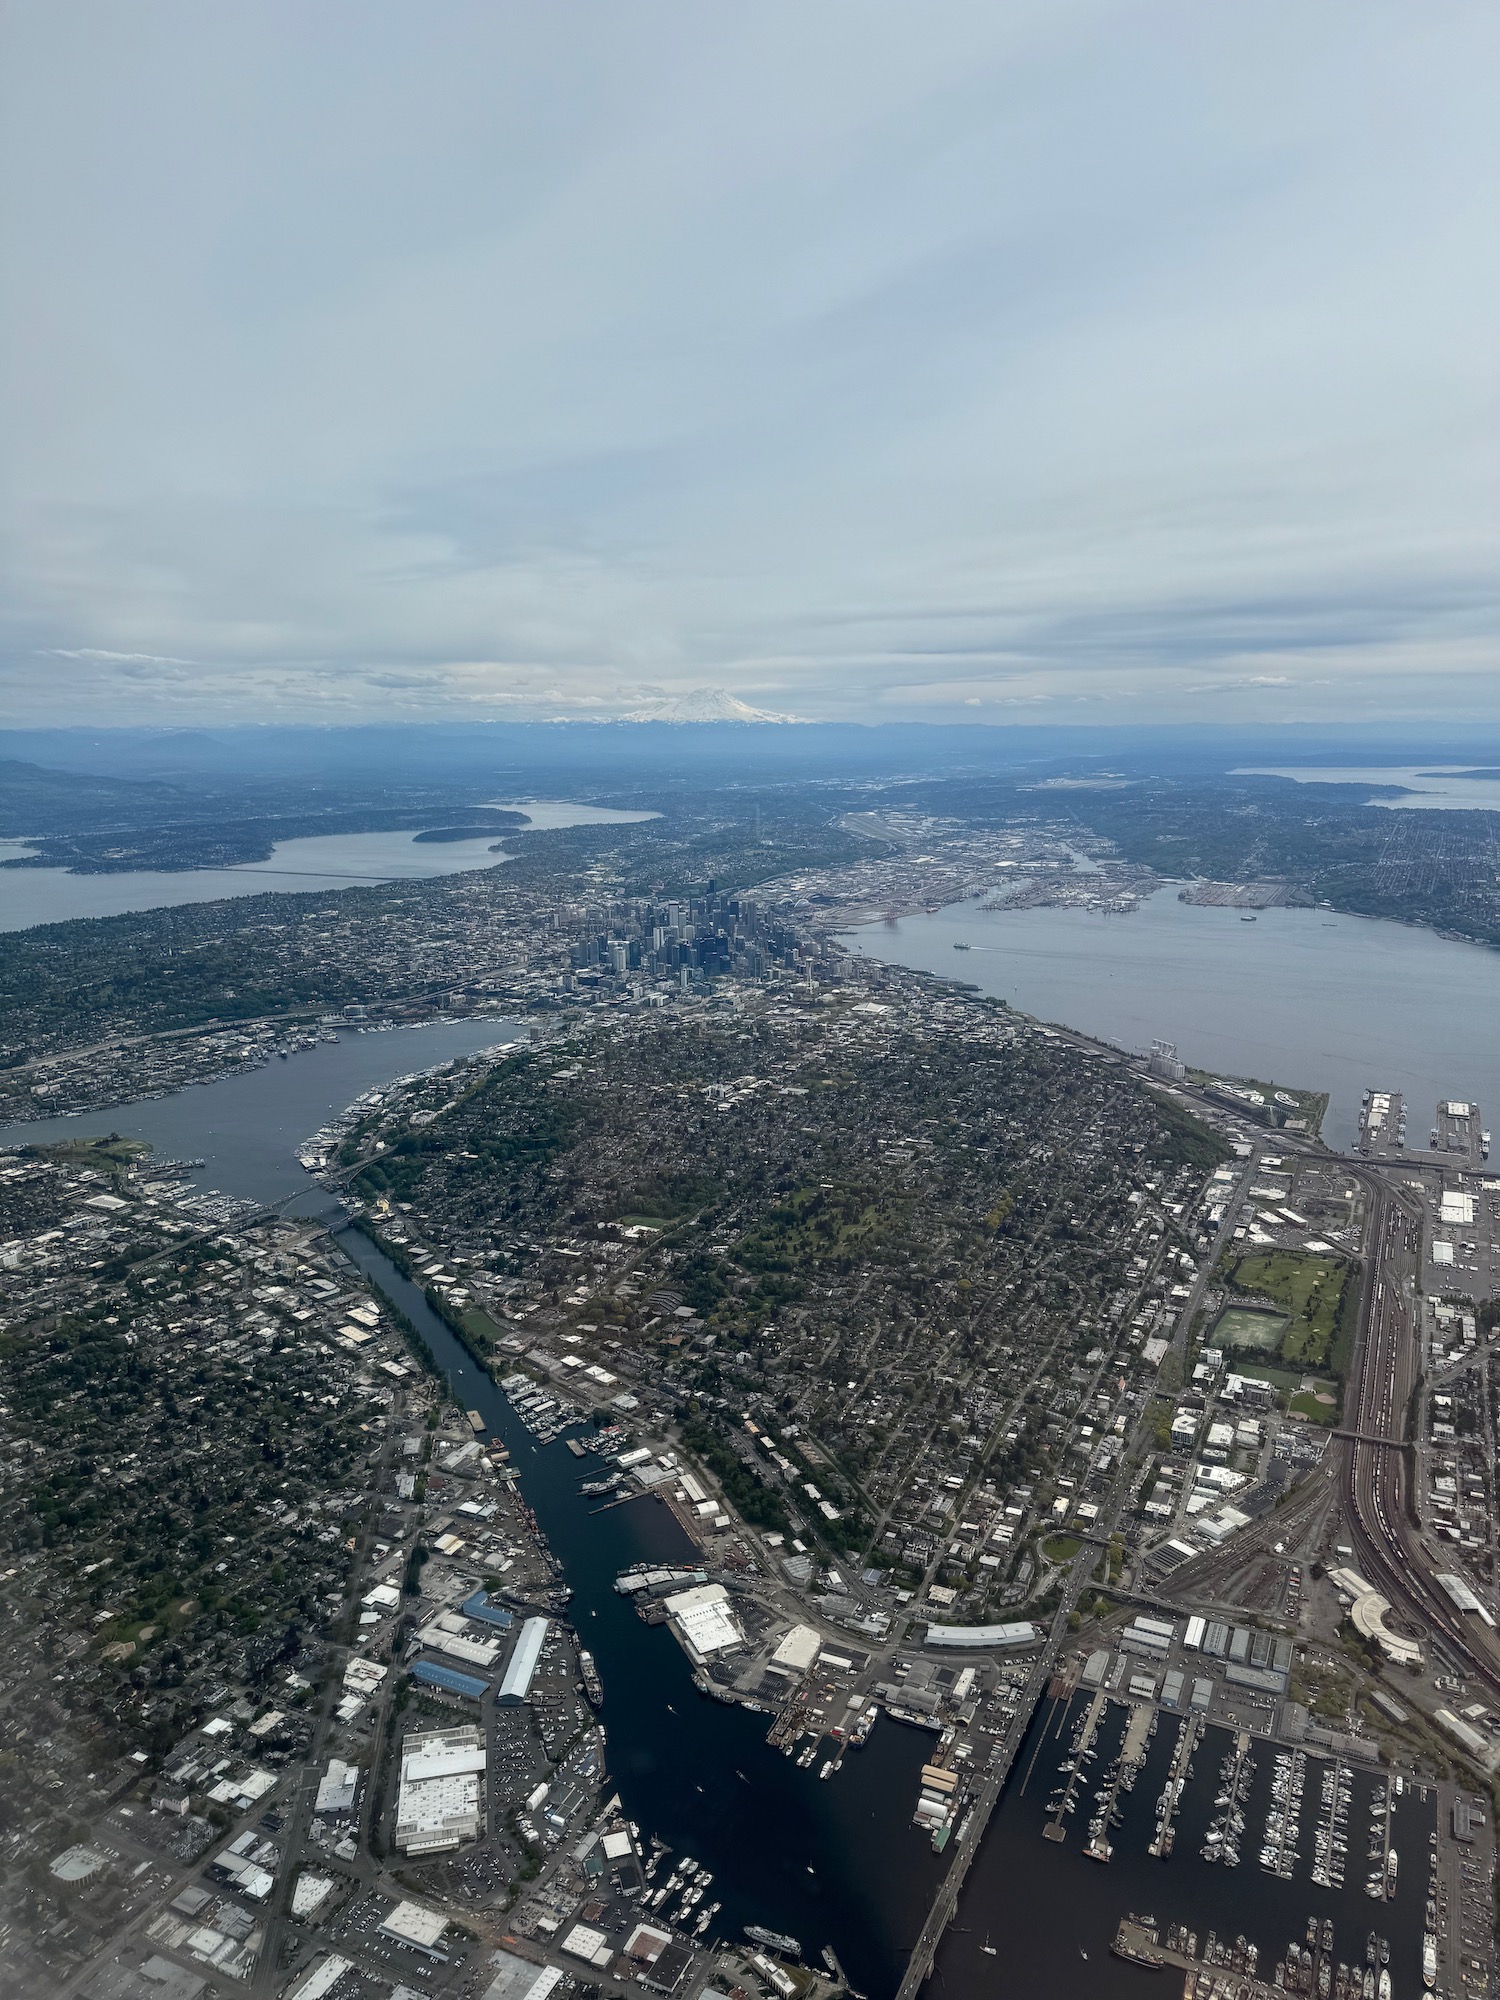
{"points": [[833, 1863]]}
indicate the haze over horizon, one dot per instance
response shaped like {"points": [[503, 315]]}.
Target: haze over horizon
{"points": [[1077, 362]]}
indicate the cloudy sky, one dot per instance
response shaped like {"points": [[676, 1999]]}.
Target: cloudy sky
{"points": [[1010, 360]]}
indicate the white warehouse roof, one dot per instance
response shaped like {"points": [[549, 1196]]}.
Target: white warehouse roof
{"points": [[704, 1620], [414, 1924], [798, 1649], [976, 1636], [516, 1685], [439, 1759], [336, 1789], [515, 1979]]}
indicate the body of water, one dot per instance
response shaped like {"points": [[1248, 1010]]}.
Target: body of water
{"points": [[1313, 998], [832, 1863], [1049, 1912], [1440, 788], [246, 1128], [31, 896]]}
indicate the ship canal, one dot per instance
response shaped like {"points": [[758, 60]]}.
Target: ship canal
{"points": [[835, 1864], [839, 1863]]}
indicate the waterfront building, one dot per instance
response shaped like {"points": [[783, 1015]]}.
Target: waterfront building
{"points": [[516, 1685]]}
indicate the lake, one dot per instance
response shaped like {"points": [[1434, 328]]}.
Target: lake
{"points": [[1313, 998], [1431, 788], [31, 896], [246, 1128]]}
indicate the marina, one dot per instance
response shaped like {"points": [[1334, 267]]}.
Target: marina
{"points": [[1229, 1970], [1071, 1927]]}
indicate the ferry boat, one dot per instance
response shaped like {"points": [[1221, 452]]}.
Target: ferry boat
{"points": [[1429, 1960], [777, 1941], [593, 1688]]}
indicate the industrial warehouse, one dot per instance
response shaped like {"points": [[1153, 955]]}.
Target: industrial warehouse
{"points": [[438, 1805]]}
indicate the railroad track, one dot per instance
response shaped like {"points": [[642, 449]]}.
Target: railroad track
{"points": [[1390, 1551]]}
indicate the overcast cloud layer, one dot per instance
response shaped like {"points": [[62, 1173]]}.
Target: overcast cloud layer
{"points": [[1067, 360]]}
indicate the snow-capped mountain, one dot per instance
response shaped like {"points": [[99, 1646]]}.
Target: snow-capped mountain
{"points": [[703, 705]]}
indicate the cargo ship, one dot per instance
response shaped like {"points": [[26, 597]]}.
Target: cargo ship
{"points": [[593, 1687], [777, 1941]]}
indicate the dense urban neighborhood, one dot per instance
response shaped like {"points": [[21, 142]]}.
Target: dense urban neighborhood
{"points": [[969, 1370]]}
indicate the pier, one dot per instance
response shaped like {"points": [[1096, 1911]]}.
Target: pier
{"points": [[1170, 1802], [1284, 1822], [1127, 1768], [1082, 1747]]}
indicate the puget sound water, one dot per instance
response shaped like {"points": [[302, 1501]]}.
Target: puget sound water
{"points": [[1314, 998]]}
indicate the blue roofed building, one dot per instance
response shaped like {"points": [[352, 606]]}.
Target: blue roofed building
{"points": [[429, 1674], [484, 1611]]}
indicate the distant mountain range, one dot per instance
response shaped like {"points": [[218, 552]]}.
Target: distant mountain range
{"points": [[704, 705]]}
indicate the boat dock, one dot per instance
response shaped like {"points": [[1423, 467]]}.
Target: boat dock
{"points": [[1225, 1971], [1383, 1856], [1083, 1750], [1170, 1802], [1279, 1854], [1226, 1829], [1127, 1768]]}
